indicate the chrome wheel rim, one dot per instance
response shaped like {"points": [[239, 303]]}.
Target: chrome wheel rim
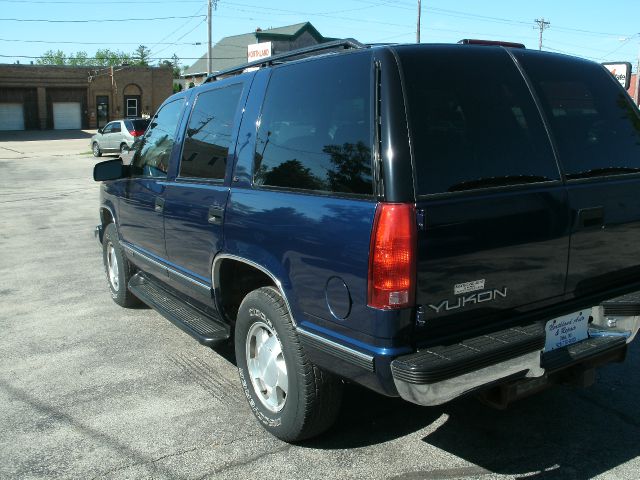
{"points": [[266, 366], [112, 267]]}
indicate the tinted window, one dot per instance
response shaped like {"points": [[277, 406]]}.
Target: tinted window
{"points": [[208, 138], [315, 131], [116, 128], [473, 121], [595, 125], [140, 125], [152, 158]]}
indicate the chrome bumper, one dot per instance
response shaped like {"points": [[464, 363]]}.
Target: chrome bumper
{"points": [[523, 366]]}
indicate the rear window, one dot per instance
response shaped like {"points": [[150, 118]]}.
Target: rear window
{"points": [[592, 119], [138, 125], [473, 121]]}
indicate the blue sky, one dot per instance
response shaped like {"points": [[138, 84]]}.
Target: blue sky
{"points": [[602, 31]]}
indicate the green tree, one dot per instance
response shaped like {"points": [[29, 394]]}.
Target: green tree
{"points": [[79, 59], [141, 56], [174, 64], [110, 58], [51, 57]]}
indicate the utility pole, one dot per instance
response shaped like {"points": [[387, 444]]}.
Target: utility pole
{"points": [[213, 5], [541, 25], [418, 31]]}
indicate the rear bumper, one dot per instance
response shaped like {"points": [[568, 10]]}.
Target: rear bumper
{"points": [[437, 375]]}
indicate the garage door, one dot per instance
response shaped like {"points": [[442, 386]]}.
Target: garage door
{"points": [[11, 116], [66, 116]]}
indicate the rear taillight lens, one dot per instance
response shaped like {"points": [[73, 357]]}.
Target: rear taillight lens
{"points": [[136, 133], [392, 256]]}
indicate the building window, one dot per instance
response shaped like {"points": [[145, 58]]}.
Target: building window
{"points": [[132, 107]]}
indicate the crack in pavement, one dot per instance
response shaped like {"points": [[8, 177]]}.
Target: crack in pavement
{"points": [[248, 461], [153, 461], [12, 150]]}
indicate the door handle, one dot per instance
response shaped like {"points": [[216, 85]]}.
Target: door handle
{"points": [[591, 217], [215, 215], [159, 206]]}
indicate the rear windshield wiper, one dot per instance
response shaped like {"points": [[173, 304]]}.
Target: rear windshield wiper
{"points": [[602, 172], [498, 182]]}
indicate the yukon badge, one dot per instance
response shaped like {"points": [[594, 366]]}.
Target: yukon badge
{"points": [[464, 300]]}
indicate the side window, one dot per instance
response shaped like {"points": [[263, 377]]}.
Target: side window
{"points": [[107, 129], [315, 129], [152, 158], [116, 127], [208, 138], [593, 121], [474, 123]]}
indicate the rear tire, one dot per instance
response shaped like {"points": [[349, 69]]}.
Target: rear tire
{"points": [[118, 269], [291, 397], [95, 148]]}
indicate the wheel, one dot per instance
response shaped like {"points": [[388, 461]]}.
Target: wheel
{"points": [[96, 150], [124, 148], [118, 269], [291, 397]]}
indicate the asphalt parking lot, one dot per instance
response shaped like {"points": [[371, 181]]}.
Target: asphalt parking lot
{"points": [[90, 390]]}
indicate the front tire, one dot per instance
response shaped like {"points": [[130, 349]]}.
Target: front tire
{"points": [[95, 148], [118, 269], [291, 397]]}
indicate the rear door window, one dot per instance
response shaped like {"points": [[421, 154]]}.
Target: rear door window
{"points": [[592, 119], [315, 128], [208, 135], [473, 121]]}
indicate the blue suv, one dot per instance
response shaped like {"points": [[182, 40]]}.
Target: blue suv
{"points": [[424, 220]]}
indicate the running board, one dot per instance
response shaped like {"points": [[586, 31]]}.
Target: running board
{"points": [[208, 330]]}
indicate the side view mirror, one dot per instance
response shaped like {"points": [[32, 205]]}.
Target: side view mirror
{"points": [[109, 170], [100, 130]]}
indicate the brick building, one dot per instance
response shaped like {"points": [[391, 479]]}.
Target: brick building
{"points": [[64, 97]]}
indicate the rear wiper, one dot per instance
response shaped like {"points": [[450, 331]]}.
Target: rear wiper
{"points": [[602, 172], [497, 182]]}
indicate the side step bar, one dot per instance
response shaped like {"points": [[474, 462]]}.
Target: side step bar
{"points": [[208, 330]]}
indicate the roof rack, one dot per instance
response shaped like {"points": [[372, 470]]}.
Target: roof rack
{"points": [[471, 41], [347, 43]]}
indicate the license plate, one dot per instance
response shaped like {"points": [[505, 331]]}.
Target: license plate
{"points": [[566, 330]]}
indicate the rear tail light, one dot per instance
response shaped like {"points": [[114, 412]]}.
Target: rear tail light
{"points": [[392, 256], [136, 133]]}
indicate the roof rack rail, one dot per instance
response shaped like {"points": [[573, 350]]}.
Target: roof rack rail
{"points": [[347, 43], [489, 43]]}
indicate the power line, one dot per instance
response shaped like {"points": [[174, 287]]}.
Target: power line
{"points": [[77, 2], [101, 20], [195, 15], [180, 38], [97, 58], [85, 42]]}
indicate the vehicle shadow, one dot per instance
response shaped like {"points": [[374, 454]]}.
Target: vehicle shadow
{"points": [[38, 135], [562, 433], [367, 418]]}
